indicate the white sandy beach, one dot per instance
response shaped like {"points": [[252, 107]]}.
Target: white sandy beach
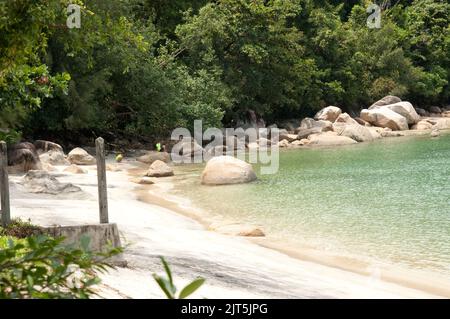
{"points": [[234, 267]]}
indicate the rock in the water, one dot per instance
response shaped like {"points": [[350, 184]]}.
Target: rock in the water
{"points": [[144, 181], [54, 158], [74, 169], [442, 123], [356, 132], [390, 99], [152, 156], [392, 134], [330, 139], [45, 146], [38, 181], [302, 142], [289, 137], [330, 113], [384, 117], [252, 232], [435, 133], [22, 157], [239, 230], [159, 169], [406, 110], [422, 125], [79, 156], [283, 143], [227, 170], [375, 131], [345, 118]]}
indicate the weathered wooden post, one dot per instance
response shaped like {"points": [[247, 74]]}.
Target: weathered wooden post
{"points": [[4, 185], [101, 177]]}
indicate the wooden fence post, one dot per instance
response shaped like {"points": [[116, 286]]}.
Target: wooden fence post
{"points": [[4, 185], [101, 177]]}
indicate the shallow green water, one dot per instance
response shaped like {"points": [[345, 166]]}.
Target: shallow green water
{"points": [[387, 201]]}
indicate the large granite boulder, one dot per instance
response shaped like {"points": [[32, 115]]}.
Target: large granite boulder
{"points": [[308, 123], [360, 121], [330, 139], [304, 133], [159, 169], [227, 170], [79, 156], [406, 110], [38, 181], [22, 157], [45, 146], [384, 117], [423, 125], [345, 118], [390, 99], [153, 156], [330, 113], [310, 126], [54, 157], [356, 132], [288, 137]]}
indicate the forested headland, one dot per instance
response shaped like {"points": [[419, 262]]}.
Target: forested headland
{"points": [[140, 68]]}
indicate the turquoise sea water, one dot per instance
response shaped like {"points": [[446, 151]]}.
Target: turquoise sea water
{"points": [[387, 201]]}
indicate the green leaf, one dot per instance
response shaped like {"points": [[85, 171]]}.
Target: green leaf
{"points": [[167, 269], [191, 288], [163, 285]]}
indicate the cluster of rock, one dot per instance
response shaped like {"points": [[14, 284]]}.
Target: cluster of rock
{"points": [[41, 157], [384, 118], [45, 155]]}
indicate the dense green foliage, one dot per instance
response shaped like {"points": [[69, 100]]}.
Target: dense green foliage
{"points": [[41, 267], [144, 67]]}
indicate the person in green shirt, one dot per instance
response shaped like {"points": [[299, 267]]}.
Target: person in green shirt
{"points": [[158, 147]]}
